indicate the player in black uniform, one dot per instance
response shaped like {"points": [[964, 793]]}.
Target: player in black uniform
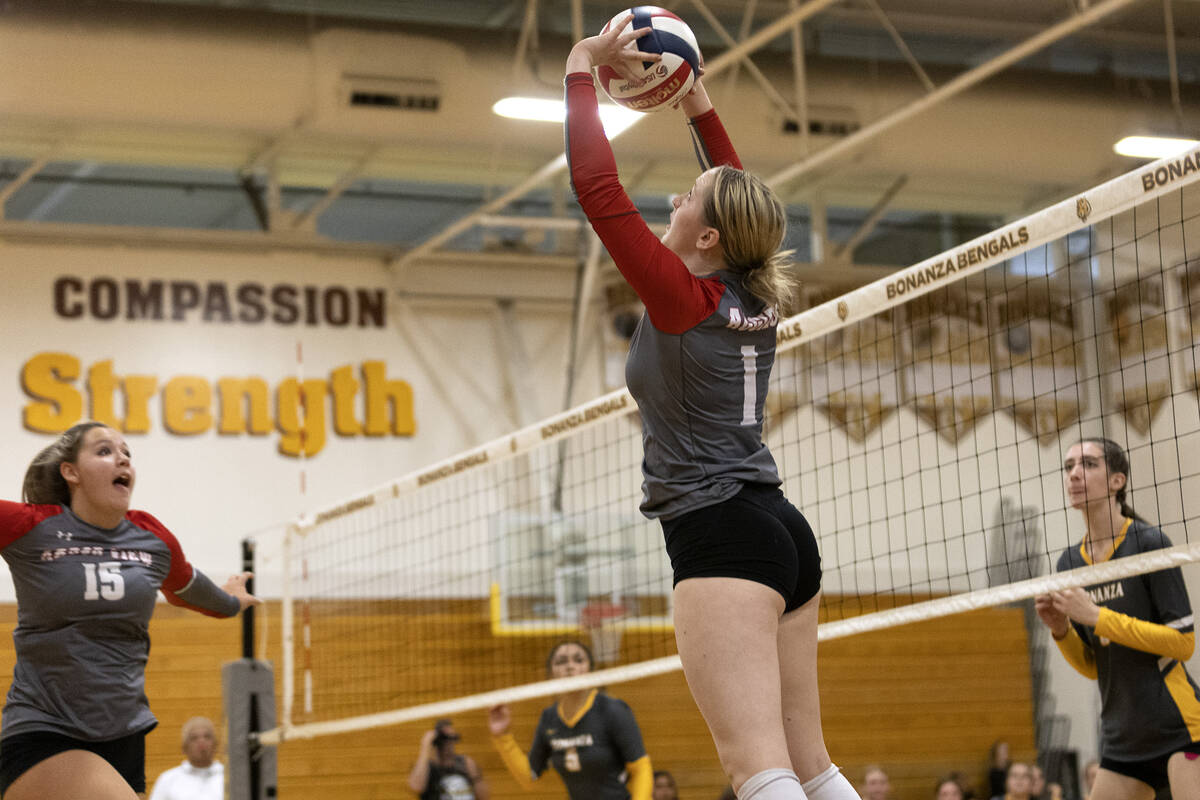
{"points": [[592, 740], [1132, 635], [86, 571], [746, 565]]}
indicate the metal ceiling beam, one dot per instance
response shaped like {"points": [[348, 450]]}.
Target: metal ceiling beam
{"points": [[956, 86], [763, 82], [845, 250], [1172, 61], [743, 32], [344, 182], [16, 183], [901, 44], [800, 81], [972, 26], [712, 68]]}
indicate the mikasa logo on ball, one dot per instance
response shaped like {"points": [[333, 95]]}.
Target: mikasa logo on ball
{"points": [[656, 96]]}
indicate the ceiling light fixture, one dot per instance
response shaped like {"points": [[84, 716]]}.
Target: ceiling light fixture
{"points": [[1153, 146], [614, 118]]}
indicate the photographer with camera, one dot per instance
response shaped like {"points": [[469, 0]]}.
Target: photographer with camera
{"points": [[442, 774]]}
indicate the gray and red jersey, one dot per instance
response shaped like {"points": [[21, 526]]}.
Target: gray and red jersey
{"points": [[701, 357], [85, 596]]}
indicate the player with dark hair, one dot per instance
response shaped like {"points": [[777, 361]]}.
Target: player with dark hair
{"points": [[746, 565], [592, 740], [86, 571], [1132, 635]]}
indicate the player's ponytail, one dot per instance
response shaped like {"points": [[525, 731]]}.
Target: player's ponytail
{"points": [[1116, 460], [44, 483], [752, 222]]}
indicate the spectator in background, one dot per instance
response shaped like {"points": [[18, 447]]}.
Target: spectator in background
{"points": [[1018, 782], [875, 785], [948, 788], [1089, 777], [440, 773], [997, 768], [664, 786], [200, 776], [963, 783], [1038, 785], [1054, 791]]}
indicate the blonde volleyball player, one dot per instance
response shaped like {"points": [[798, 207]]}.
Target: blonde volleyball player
{"points": [[747, 570], [592, 740], [1132, 635]]}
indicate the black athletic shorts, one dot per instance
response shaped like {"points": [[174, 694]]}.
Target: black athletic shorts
{"points": [[1153, 771], [21, 752], [756, 535]]}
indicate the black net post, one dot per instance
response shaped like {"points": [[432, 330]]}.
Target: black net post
{"points": [[248, 614], [249, 690]]}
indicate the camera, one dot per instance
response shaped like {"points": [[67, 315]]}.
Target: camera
{"points": [[443, 737]]}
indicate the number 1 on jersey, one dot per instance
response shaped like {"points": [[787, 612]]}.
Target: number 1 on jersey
{"points": [[750, 385], [103, 580]]}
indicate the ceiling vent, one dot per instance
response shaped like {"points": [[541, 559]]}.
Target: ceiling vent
{"points": [[825, 121], [397, 94]]}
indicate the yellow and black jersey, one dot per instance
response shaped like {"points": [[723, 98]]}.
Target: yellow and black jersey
{"points": [[1150, 706], [595, 751]]}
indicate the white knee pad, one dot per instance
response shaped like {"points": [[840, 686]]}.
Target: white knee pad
{"points": [[772, 784], [830, 785]]}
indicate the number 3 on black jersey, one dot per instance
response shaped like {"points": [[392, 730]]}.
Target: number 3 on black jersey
{"points": [[103, 580]]}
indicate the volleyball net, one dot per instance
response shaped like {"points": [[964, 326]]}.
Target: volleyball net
{"points": [[919, 422]]}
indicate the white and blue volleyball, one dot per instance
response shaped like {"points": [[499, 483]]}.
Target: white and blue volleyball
{"points": [[662, 84]]}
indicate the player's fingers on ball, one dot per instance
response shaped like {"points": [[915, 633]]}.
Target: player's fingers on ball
{"points": [[634, 35], [618, 27]]}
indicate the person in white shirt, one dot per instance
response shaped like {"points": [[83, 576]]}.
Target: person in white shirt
{"points": [[200, 776]]}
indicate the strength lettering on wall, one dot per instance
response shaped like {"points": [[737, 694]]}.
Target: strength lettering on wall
{"points": [[60, 390]]}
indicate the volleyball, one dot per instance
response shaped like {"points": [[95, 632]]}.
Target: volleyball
{"points": [[664, 83]]}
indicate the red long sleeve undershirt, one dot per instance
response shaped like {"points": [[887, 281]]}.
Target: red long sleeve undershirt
{"points": [[675, 299]]}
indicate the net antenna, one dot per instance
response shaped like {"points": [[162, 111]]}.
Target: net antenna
{"points": [[902, 415]]}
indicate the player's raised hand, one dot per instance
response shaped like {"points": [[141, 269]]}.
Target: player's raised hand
{"points": [[616, 48], [1051, 617], [1077, 604], [236, 586], [499, 719]]}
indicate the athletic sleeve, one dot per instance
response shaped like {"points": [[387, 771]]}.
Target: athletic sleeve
{"points": [[1173, 637], [641, 779], [675, 299], [184, 585], [539, 749], [515, 760], [626, 735], [18, 519], [1149, 637], [1078, 654], [712, 144], [1171, 633]]}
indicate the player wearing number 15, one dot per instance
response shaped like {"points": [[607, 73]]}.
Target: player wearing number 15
{"points": [[746, 567], [86, 571]]}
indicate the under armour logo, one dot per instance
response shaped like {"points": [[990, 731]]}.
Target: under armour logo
{"points": [[64, 534]]}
